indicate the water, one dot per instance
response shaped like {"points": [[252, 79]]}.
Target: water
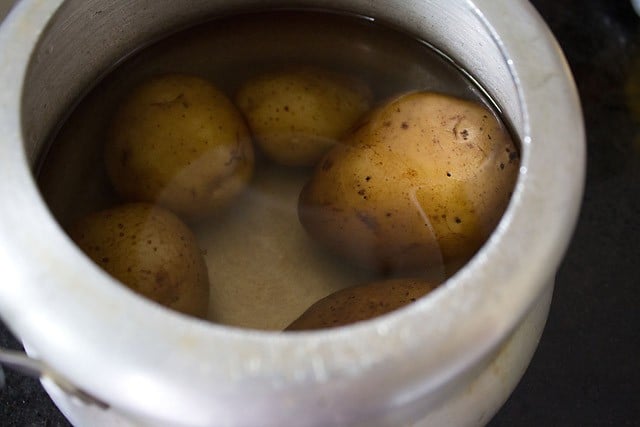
{"points": [[264, 269]]}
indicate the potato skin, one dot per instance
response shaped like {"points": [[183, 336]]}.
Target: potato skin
{"points": [[361, 303], [180, 142], [151, 251], [422, 183], [297, 114]]}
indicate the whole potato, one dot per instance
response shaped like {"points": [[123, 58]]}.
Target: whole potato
{"points": [[180, 142], [297, 114], [421, 183], [151, 251], [361, 303]]}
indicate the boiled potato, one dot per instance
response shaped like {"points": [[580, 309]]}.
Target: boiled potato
{"points": [[151, 251], [421, 183], [296, 115], [360, 303], [180, 142]]}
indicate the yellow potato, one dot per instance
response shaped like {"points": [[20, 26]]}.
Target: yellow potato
{"points": [[360, 303], [422, 183], [180, 142], [151, 251], [296, 115]]}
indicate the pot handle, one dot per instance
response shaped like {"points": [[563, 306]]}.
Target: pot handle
{"points": [[35, 368]]}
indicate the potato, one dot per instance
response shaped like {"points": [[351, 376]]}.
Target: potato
{"points": [[422, 183], [360, 303], [180, 142], [151, 251], [297, 114]]}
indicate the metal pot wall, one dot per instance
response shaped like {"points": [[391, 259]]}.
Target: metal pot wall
{"points": [[435, 362]]}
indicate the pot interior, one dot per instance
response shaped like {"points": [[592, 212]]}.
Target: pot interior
{"points": [[71, 59]]}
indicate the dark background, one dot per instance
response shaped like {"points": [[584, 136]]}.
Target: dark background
{"points": [[586, 371]]}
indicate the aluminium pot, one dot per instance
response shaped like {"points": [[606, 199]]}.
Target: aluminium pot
{"points": [[449, 359]]}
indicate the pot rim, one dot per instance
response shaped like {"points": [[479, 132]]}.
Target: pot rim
{"points": [[45, 300]]}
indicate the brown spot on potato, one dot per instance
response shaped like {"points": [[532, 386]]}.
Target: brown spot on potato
{"points": [[458, 120], [162, 277]]}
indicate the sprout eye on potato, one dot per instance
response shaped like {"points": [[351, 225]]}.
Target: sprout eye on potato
{"points": [[362, 302], [180, 142], [422, 183], [151, 251], [297, 114]]}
